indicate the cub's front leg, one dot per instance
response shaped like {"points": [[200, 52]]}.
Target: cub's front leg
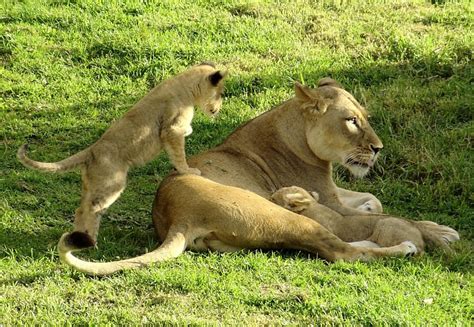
{"points": [[172, 138]]}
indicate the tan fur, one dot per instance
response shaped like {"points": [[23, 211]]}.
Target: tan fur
{"points": [[295, 144], [292, 144], [241, 220], [383, 230], [160, 120]]}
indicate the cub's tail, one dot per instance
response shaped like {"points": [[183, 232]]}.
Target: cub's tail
{"points": [[63, 165], [437, 235], [174, 244]]}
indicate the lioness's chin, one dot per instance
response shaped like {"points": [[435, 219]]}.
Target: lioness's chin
{"points": [[358, 170]]}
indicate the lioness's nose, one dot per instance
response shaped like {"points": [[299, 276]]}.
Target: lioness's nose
{"points": [[375, 148]]}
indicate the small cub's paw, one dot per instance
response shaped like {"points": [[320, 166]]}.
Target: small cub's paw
{"points": [[410, 248], [315, 195], [78, 240]]}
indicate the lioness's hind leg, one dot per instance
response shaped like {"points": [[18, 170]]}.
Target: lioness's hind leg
{"points": [[403, 249], [99, 192], [218, 246], [365, 244]]}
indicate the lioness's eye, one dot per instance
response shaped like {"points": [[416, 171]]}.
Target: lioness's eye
{"points": [[353, 120]]}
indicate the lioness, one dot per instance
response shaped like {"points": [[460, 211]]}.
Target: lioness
{"points": [[225, 218], [160, 120], [363, 230], [295, 143]]}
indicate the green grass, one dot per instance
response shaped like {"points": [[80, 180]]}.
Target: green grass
{"points": [[69, 68]]}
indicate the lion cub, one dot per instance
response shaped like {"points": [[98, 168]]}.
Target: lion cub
{"points": [[375, 230], [160, 120]]}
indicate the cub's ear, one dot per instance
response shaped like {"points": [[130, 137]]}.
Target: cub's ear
{"points": [[216, 77], [296, 202], [327, 81], [312, 100]]}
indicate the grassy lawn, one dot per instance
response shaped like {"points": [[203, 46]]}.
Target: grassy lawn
{"points": [[69, 68]]}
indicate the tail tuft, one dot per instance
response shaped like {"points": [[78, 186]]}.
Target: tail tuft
{"points": [[79, 240], [21, 154]]}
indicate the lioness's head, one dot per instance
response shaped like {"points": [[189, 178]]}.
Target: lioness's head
{"points": [[208, 93], [337, 126]]}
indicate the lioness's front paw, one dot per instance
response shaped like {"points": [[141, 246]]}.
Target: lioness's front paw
{"points": [[189, 131], [190, 170], [371, 206], [410, 248]]}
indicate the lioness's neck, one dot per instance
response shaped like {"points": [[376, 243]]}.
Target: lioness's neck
{"points": [[276, 143], [290, 121]]}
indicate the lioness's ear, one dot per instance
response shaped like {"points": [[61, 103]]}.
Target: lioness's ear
{"points": [[216, 77], [312, 100], [303, 92], [327, 81]]}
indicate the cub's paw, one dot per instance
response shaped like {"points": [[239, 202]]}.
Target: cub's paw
{"points": [[373, 206], [193, 171], [315, 195]]}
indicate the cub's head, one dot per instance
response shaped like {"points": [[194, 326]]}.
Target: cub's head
{"points": [[209, 89], [337, 126], [294, 198]]}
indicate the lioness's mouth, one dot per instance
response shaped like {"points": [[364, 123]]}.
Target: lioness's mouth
{"points": [[357, 163]]}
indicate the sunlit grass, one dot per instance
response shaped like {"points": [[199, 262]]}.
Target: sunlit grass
{"points": [[69, 68]]}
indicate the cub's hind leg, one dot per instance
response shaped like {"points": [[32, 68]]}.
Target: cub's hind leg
{"points": [[390, 231], [101, 186]]}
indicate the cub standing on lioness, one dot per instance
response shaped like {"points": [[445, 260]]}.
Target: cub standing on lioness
{"points": [[160, 120]]}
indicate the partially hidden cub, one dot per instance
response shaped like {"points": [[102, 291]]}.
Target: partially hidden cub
{"points": [[374, 230], [159, 120]]}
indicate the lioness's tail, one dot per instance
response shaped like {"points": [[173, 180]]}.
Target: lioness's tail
{"points": [[63, 165], [437, 235], [173, 246]]}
